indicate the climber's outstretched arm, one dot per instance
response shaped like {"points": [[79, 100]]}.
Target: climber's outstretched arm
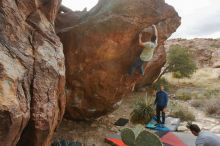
{"points": [[140, 40]]}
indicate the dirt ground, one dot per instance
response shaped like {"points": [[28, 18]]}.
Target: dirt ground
{"points": [[95, 133]]}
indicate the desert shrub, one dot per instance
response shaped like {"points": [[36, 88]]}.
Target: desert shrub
{"points": [[212, 106], [142, 112], [197, 103], [195, 95], [164, 82], [177, 74], [209, 106], [180, 62], [199, 96], [184, 115], [211, 109], [214, 46], [181, 112], [212, 93], [184, 96]]}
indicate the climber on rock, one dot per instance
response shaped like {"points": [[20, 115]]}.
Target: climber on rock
{"points": [[147, 52]]}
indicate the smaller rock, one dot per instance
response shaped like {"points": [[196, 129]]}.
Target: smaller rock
{"points": [[111, 116], [216, 64], [182, 128], [94, 125]]}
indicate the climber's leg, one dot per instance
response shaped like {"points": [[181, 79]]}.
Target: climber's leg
{"points": [[142, 69], [135, 65]]}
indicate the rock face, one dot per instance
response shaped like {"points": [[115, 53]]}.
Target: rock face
{"points": [[32, 72], [206, 51], [101, 45]]}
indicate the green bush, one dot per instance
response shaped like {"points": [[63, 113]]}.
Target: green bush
{"points": [[177, 74], [164, 82], [180, 62]]}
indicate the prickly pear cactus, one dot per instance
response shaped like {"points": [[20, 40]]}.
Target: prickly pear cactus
{"points": [[140, 137], [128, 137], [147, 138]]}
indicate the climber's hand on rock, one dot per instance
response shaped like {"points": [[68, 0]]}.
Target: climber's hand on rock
{"points": [[148, 29]]}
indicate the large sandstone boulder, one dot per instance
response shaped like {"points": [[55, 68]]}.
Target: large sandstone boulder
{"points": [[32, 72], [101, 45]]}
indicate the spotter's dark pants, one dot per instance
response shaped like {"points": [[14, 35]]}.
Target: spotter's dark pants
{"points": [[159, 110]]}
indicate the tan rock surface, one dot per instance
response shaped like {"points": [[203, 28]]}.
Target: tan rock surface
{"points": [[32, 73]]}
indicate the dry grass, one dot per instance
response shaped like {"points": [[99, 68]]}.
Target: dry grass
{"points": [[205, 77], [182, 112], [204, 89], [212, 106], [184, 115], [184, 96], [204, 84], [197, 103], [212, 93]]}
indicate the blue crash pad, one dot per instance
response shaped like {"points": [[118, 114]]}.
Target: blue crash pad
{"points": [[170, 125]]}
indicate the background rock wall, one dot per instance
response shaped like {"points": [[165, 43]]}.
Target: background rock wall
{"points": [[206, 52]]}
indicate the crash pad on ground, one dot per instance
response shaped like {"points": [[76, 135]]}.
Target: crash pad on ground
{"points": [[168, 139], [115, 139], [188, 138], [171, 124], [121, 122]]}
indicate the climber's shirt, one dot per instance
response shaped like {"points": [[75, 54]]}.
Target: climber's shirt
{"points": [[148, 51]]}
